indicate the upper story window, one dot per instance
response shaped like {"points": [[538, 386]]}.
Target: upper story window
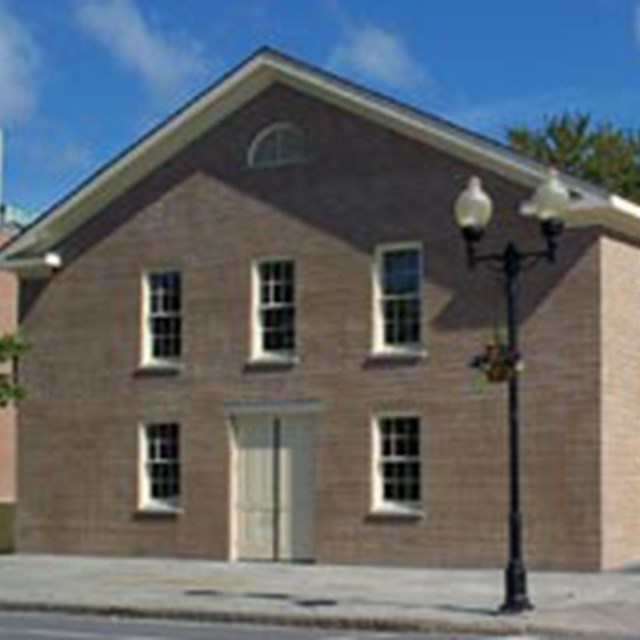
{"points": [[398, 298], [162, 340], [277, 145], [274, 331], [160, 466]]}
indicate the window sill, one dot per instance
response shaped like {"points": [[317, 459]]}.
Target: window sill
{"points": [[283, 164], [396, 513], [159, 369], [397, 356], [157, 511], [416, 351], [271, 362]]}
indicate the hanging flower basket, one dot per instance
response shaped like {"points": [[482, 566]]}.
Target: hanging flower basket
{"points": [[497, 363]]}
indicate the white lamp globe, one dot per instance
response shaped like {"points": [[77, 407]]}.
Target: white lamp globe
{"points": [[550, 198], [473, 207]]}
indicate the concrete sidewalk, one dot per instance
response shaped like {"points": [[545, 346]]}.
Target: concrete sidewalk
{"points": [[345, 597]]}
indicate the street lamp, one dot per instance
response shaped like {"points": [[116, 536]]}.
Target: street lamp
{"points": [[473, 211]]}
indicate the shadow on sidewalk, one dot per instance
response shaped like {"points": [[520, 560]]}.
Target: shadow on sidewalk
{"points": [[301, 602], [483, 611]]}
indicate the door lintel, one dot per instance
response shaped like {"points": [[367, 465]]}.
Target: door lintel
{"points": [[271, 407]]}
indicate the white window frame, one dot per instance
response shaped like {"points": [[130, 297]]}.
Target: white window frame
{"points": [[146, 502], [378, 502], [147, 357], [258, 353], [281, 160], [380, 346]]}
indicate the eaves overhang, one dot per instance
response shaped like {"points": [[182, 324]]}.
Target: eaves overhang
{"points": [[611, 212], [41, 266]]}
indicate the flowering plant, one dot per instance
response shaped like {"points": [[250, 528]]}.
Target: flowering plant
{"points": [[497, 363]]}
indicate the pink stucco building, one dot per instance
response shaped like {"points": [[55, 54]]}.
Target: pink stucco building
{"points": [[8, 300]]}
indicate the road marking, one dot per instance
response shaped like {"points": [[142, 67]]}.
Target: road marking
{"points": [[376, 636], [69, 635]]}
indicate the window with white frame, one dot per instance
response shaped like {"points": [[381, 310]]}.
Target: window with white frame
{"points": [[275, 309], [277, 145], [398, 305], [160, 482], [398, 462], [163, 322]]}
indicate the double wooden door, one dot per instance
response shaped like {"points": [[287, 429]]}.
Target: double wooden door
{"points": [[274, 488]]}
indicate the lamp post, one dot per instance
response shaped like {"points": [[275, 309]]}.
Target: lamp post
{"points": [[473, 211]]}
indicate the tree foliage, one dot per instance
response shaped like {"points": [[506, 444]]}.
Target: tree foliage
{"points": [[602, 153], [12, 346]]}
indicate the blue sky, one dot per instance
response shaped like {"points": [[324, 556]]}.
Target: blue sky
{"points": [[82, 79]]}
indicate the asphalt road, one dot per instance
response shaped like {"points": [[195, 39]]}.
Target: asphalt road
{"points": [[18, 626]]}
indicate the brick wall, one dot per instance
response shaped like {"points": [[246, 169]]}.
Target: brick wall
{"points": [[207, 214]]}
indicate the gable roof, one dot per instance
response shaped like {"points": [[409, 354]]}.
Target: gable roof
{"points": [[592, 205]]}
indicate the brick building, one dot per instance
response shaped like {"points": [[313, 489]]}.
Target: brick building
{"points": [[250, 341]]}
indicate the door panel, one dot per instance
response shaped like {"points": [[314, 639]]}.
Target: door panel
{"points": [[296, 489], [255, 486]]}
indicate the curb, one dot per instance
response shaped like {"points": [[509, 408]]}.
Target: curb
{"points": [[346, 623]]}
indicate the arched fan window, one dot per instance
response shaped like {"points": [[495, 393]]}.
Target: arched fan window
{"points": [[277, 145]]}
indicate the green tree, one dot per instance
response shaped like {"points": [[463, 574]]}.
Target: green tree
{"points": [[12, 346], [602, 153]]}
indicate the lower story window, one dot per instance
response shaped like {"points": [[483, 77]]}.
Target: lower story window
{"points": [[161, 466], [398, 461]]}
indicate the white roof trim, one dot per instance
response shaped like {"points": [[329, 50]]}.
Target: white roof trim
{"points": [[33, 267], [613, 213], [247, 81]]}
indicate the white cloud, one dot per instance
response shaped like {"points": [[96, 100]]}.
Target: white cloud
{"points": [[165, 64], [19, 57], [71, 157], [378, 54]]}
